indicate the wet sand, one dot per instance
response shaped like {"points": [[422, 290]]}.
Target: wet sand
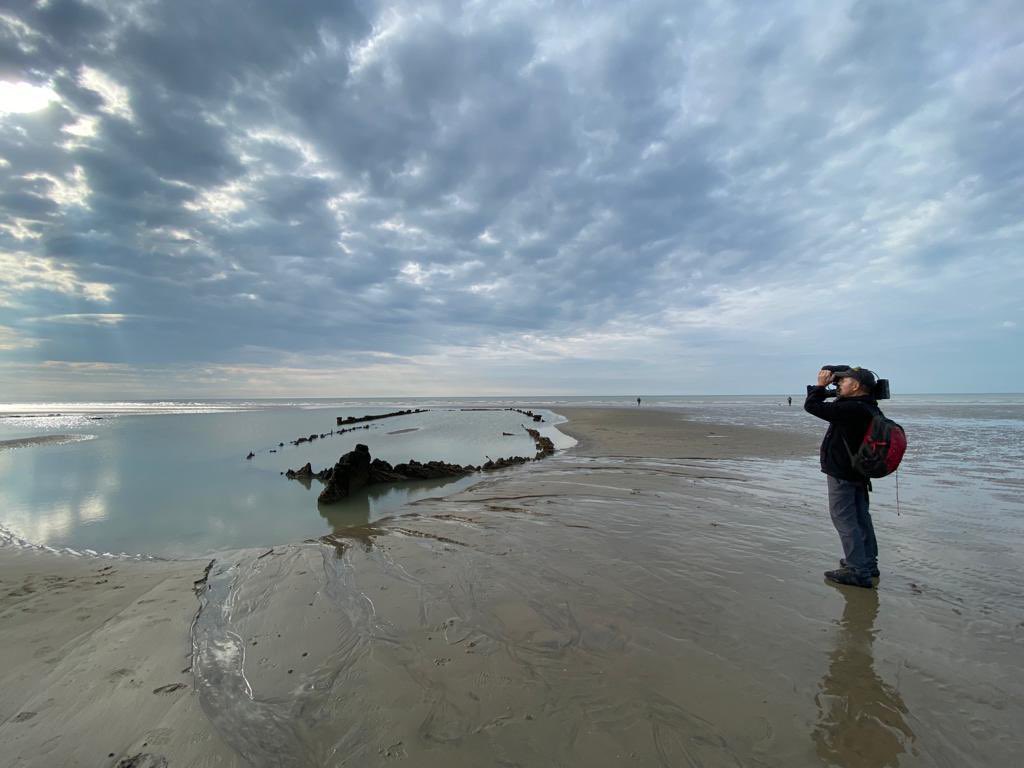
{"points": [[652, 598], [663, 434], [93, 663]]}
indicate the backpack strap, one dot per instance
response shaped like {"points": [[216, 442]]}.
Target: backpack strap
{"points": [[878, 413]]}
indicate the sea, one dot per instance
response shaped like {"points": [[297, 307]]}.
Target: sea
{"points": [[172, 478]]}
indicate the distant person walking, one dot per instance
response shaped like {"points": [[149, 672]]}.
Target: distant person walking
{"points": [[638, 402], [789, 400], [849, 417]]}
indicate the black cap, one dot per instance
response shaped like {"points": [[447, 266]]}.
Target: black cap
{"points": [[863, 375]]}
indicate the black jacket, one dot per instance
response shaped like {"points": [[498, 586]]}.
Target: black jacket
{"points": [[848, 418]]}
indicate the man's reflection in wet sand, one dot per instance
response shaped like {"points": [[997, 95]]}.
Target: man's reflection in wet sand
{"points": [[861, 718]]}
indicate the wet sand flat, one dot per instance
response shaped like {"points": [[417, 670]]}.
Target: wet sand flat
{"points": [[654, 434], [639, 600], [93, 658]]}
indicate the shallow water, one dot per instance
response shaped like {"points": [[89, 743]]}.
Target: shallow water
{"points": [[170, 478], [178, 484]]}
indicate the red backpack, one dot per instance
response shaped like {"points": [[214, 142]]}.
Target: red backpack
{"points": [[881, 449]]}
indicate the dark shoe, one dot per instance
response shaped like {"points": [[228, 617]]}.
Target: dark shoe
{"points": [[849, 578], [874, 571]]}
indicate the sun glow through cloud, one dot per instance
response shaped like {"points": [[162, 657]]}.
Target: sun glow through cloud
{"points": [[21, 97]]}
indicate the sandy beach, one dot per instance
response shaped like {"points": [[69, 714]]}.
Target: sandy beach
{"points": [[652, 597], [663, 434], [95, 656]]}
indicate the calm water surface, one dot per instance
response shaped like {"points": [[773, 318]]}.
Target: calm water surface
{"points": [[173, 480], [170, 478]]}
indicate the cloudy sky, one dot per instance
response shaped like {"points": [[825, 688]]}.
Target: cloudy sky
{"points": [[228, 197]]}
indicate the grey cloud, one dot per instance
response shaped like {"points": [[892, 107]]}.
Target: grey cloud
{"points": [[26, 204], [68, 22], [28, 143], [206, 49], [47, 37], [84, 100], [177, 141], [551, 172]]}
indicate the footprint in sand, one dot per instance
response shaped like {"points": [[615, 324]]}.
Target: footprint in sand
{"points": [[170, 688], [396, 750], [143, 760], [159, 737]]}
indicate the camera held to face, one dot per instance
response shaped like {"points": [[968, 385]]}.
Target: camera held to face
{"points": [[877, 388]]}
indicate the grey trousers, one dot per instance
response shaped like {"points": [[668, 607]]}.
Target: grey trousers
{"points": [[848, 506]]}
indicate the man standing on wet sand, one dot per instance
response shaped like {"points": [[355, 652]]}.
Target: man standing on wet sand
{"points": [[849, 417]]}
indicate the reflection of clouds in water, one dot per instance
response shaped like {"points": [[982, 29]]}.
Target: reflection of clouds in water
{"points": [[861, 721], [58, 520], [92, 509], [108, 481], [163, 482], [42, 529]]}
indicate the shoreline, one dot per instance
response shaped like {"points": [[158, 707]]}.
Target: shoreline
{"points": [[30, 442], [651, 596]]}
